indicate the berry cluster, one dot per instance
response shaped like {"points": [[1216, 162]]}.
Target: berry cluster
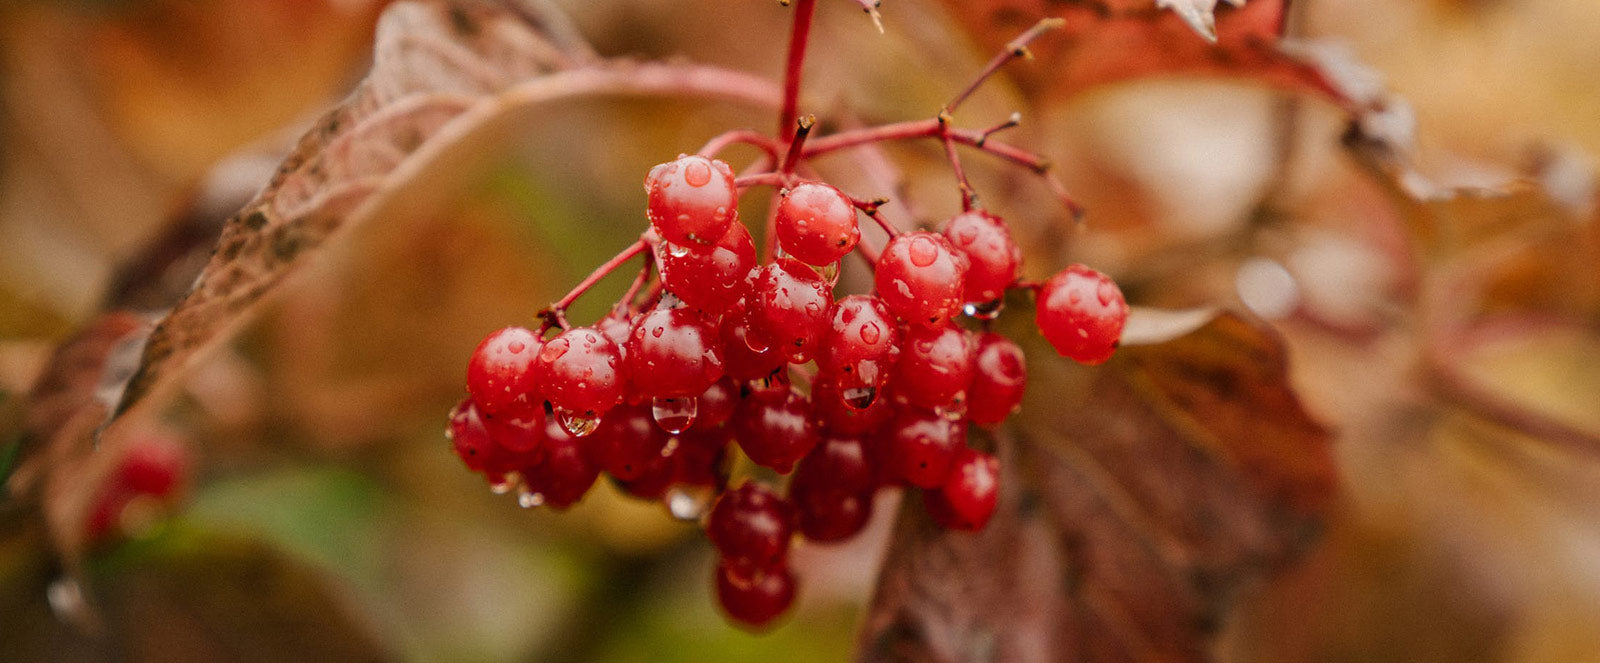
{"points": [[844, 396]]}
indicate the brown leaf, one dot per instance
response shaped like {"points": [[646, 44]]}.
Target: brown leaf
{"points": [[1140, 499]]}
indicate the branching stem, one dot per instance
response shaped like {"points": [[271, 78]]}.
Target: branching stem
{"points": [[557, 312]]}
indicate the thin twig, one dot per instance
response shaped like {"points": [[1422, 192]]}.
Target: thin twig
{"points": [[791, 158], [751, 137], [557, 311], [1016, 48]]}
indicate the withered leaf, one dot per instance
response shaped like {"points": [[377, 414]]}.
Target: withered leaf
{"points": [[1139, 499]]}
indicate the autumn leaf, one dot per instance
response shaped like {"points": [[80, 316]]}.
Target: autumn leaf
{"points": [[1141, 498]]}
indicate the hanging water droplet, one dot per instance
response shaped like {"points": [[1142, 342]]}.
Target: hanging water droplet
{"points": [[66, 599], [829, 273], [860, 398], [674, 415], [870, 333], [689, 503], [675, 250], [984, 310], [578, 424], [504, 484], [923, 251], [528, 499]]}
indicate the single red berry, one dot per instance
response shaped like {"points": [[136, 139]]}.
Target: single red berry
{"points": [[754, 599], [151, 471], [825, 515], [715, 406], [838, 463], [935, 368], [999, 376], [968, 496], [500, 373], [746, 353], [469, 438], [692, 200], [626, 442], [710, 280], [816, 223], [563, 475], [580, 372], [516, 436], [921, 278], [921, 446], [861, 346], [752, 525], [672, 353], [702, 458], [788, 306], [993, 259], [848, 417], [655, 476], [774, 428], [1081, 312]]}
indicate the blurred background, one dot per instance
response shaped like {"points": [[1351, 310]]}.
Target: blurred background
{"points": [[320, 497]]}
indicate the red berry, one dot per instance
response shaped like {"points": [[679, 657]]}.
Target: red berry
{"points": [[746, 354], [832, 489], [754, 599], [516, 436], [751, 525], [830, 515], [469, 438], [672, 353], [564, 474], [921, 278], [710, 280], [921, 446], [968, 496], [816, 223], [993, 258], [838, 463], [715, 405], [580, 372], [626, 442], [655, 477], [151, 470], [861, 346], [999, 375], [1081, 312], [774, 429], [692, 200], [836, 415], [935, 368], [500, 373], [702, 458], [788, 306]]}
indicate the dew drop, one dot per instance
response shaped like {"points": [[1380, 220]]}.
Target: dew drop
{"points": [[923, 251], [967, 234], [674, 415], [504, 484], [1106, 292], [658, 331], [528, 499], [984, 310], [516, 347], [676, 250], [829, 273], [755, 342], [553, 350], [860, 398], [697, 174], [1074, 297], [689, 503], [66, 600], [870, 333], [576, 424]]}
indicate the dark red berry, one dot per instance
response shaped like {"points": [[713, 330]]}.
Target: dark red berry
{"points": [[500, 374], [861, 346], [993, 259], [626, 442], [655, 477], [935, 368], [746, 354], [999, 376], [564, 474], [672, 353], [715, 405], [692, 200], [788, 306], [921, 446], [702, 458], [834, 413], [755, 598], [921, 278], [816, 223], [826, 515], [710, 280], [774, 429], [580, 373], [1081, 312], [516, 436], [752, 524], [838, 463], [968, 496], [468, 437]]}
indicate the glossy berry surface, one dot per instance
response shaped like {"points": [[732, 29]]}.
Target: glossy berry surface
{"points": [[921, 278], [993, 259], [468, 436], [672, 353], [838, 463], [500, 373], [692, 201], [754, 599], [834, 413], [999, 377], [746, 353], [921, 446], [788, 307], [774, 429], [711, 279], [715, 406], [1082, 312], [861, 345], [580, 372], [827, 516], [564, 474], [626, 442], [968, 495], [816, 223], [515, 435], [751, 525], [935, 368]]}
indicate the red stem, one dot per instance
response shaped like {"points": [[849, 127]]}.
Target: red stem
{"points": [[791, 157], [969, 197], [1016, 48], [775, 180], [559, 309], [801, 35], [751, 137]]}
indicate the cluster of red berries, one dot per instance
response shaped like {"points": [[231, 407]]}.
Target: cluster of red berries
{"points": [[847, 396]]}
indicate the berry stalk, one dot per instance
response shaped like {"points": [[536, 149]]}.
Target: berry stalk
{"points": [[798, 39], [557, 312]]}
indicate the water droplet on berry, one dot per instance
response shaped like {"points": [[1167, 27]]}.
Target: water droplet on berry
{"points": [[658, 331], [829, 273], [676, 250], [697, 174], [870, 333], [528, 499], [923, 251], [66, 599], [1106, 292], [689, 503], [721, 213], [674, 415], [860, 398], [504, 484], [577, 424], [1074, 297], [516, 347], [984, 310]]}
